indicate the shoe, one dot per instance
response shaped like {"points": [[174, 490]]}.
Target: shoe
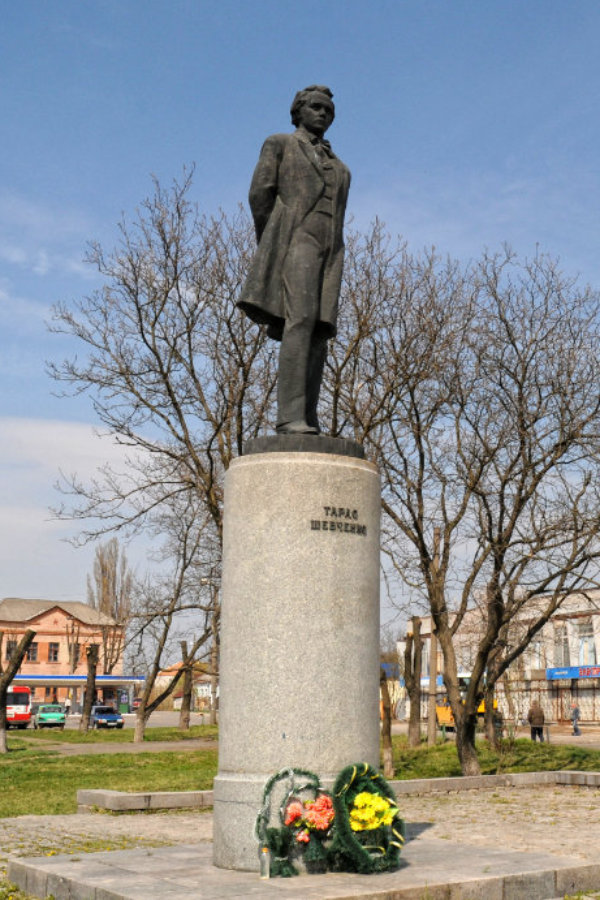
{"points": [[298, 427]]}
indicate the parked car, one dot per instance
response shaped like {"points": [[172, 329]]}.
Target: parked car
{"points": [[49, 715], [136, 703], [105, 717]]}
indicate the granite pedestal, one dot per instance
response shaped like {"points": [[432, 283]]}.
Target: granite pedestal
{"points": [[299, 672]]}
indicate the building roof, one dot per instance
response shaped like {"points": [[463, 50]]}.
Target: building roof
{"points": [[15, 609], [199, 669]]}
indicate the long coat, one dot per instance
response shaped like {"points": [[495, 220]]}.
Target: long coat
{"points": [[286, 186]]}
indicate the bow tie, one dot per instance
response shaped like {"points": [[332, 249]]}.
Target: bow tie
{"points": [[321, 144]]}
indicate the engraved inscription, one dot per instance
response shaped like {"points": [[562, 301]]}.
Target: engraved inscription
{"points": [[339, 520]]}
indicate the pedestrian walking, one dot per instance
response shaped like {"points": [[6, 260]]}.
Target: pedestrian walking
{"points": [[575, 717], [536, 720], [67, 705]]}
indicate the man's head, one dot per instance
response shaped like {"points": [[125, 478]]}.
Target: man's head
{"points": [[313, 108]]}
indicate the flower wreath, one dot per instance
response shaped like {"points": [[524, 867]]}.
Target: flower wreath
{"points": [[305, 824], [358, 829], [369, 832]]}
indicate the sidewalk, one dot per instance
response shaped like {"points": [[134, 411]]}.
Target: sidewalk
{"points": [[560, 733], [431, 869], [508, 843]]}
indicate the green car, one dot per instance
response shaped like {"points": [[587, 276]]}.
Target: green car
{"points": [[49, 715]]}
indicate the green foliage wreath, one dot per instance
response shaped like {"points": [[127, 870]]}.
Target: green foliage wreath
{"points": [[282, 842], [359, 829], [368, 835]]}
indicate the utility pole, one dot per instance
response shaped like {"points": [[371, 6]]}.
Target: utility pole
{"points": [[433, 673]]}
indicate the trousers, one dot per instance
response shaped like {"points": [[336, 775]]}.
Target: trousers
{"points": [[303, 349]]}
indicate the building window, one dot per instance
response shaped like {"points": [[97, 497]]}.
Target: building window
{"points": [[52, 652], [32, 652], [587, 646], [536, 655], [11, 646], [562, 657]]}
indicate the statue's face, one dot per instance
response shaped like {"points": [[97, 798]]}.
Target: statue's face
{"points": [[316, 115]]}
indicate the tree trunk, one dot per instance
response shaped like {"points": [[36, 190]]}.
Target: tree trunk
{"points": [[433, 647], [214, 668], [491, 732], [412, 679], [465, 744], [13, 665], [510, 701], [92, 653], [386, 726], [188, 684], [431, 713], [140, 726], [3, 728]]}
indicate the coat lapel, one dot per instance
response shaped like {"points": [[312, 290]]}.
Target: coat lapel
{"points": [[309, 152]]}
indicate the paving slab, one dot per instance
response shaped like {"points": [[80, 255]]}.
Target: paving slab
{"points": [[431, 868]]}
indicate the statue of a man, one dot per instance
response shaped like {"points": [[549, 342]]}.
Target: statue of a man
{"points": [[298, 200]]}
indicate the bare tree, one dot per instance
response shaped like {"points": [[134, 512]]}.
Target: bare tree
{"points": [[73, 635], [6, 676], [412, 678], [92, 652], [175, 372], [187, 689], [181, 598], [476, 389], [386, 725], [109, 592], [215, 631]]}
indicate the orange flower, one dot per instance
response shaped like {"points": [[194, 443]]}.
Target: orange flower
{"points": [[319, 813], [303, 837], [293, 812]]}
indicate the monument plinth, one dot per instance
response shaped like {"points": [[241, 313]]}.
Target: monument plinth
{"points": [[299, 683]]}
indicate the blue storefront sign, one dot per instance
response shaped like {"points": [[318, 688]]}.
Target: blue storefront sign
{"points": [[573, 672]]}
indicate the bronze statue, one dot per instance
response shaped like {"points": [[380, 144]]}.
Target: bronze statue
{"points": [[298, 200]]}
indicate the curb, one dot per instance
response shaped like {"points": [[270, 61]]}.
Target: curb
{"points": [[121, 801], [185, 872]]}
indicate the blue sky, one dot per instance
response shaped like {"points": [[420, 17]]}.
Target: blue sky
{"points": [[465, 125]]}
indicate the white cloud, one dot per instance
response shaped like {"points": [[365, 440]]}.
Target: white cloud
{"points": [[42, 239], [35, 558], [44, 447], [18, 311], [38, 220]]}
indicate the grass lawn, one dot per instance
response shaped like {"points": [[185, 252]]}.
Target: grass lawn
{"points": [[43, 783], [35, 779], [521, 755]]}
